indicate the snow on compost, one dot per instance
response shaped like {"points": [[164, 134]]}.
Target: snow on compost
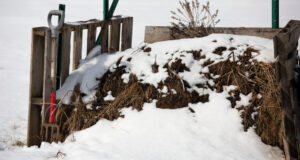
{"points": [[167, 100], [140, 61]]}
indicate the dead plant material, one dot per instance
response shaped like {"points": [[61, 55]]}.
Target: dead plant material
{"points": [[219, 51], [232, 48], [207, 62], [197, 54], [191, 109], [178, 66], [259, 79], [154, 68], [147, 49], [192, 19], [18, 143], [60, 155]]}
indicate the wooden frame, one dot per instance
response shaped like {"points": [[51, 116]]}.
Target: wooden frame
{"points": [[40, 79], [285, 49], [163, 33]]}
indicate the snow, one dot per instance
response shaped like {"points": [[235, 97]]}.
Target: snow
{"points": [[109, 97], [184, 135], [86, 76], [18, 17], [245, 100], [161, 134]]}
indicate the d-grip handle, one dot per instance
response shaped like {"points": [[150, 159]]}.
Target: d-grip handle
{"points": [[54, 29]]}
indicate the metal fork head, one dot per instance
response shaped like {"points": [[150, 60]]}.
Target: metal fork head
{"points": [[50, 132]]}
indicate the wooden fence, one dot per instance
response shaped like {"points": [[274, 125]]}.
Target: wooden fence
{"points": [[285, 49], [116, 35], [163, 33]]}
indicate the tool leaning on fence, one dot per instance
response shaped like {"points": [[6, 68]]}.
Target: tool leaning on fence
{"points": [[51, 61], [50, 131]]}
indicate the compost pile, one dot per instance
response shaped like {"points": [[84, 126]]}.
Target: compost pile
{"points": [[225, 65]]}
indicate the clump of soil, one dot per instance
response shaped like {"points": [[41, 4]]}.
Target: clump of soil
{"points": [[197, 54], [258, 78], [219, 50]]}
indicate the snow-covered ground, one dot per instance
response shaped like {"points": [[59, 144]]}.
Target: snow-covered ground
{"points": [[18, 17], [212, 131]]}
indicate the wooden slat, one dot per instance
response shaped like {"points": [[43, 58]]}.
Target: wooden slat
{"points": [[285, 47], [115, 37], [104, 37], [34, 125], [127, 33], [97, 23], [77, 47], [37, 101], [65, 58], [91, 38], [47, 78], [35, 89]]}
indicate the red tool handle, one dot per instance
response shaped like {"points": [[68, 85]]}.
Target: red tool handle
{"points": [[52, 108]]}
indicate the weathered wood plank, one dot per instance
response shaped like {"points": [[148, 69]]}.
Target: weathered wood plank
{"points": [[34, 125], [163, 33], [35, 88], [104, 37], [65, 58], [127, 33], [47, 78], [157, 34], [37, 101], [115, 37], [96, 22], [285, 48], [77, 47], [91, 38]]}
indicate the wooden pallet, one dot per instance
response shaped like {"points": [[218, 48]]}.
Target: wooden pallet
{"points": [[116, 35], [285, 48]]}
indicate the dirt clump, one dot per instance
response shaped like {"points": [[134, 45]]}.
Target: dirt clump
{"points": [[219, 51], [147, 49], [178, 66], [197, 54]]}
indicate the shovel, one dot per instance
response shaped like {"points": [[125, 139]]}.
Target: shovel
{"points": [[50, 131]]}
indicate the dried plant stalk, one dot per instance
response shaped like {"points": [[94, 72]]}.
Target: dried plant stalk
{"points": [[193, 19]]}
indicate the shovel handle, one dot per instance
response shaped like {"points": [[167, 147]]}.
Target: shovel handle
{"points": [[52, 107], [54, 29], [53, 79]]}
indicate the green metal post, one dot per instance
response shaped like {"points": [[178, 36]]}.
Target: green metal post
{"points": [[105, 9], [107, 14], [112, 8], [62, 7], [275, 13]]}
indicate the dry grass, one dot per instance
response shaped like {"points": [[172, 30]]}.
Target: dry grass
{"points": [[193, 18], [259, 79]]}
